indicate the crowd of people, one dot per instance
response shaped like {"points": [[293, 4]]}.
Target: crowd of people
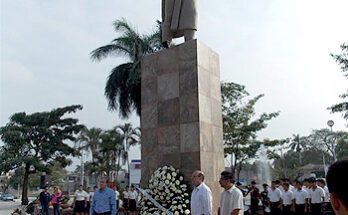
{"points": [[283, 197], [311, 196], [102, 200]]}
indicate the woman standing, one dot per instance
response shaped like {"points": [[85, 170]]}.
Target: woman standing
{"points": [[55, 200], [89, 200], [133, 195], [126, 200], [80, 201]]}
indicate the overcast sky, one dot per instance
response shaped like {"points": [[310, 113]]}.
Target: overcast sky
{"points": [[279, 48]]}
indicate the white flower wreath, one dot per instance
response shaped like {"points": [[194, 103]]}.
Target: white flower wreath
{"points": [[168, 188]]}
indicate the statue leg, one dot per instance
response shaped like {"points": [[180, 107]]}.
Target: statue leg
{"points": [[189, 34], [167, 34]]}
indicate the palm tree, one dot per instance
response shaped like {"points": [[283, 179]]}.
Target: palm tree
{"points": [[130, 136], [297, 144], [90, 140], [122, 88]]}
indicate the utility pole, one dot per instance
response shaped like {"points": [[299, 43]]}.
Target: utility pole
{"points": [[331, 123], [82, 169]]}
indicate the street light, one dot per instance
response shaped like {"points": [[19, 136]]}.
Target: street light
{"points": [[331, 123]]}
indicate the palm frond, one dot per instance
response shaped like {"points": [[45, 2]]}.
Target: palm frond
{"points": [[111, 49]]}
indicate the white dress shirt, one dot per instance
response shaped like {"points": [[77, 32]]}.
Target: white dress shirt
{"points": [[201, 200], [287, 197], [327, 194], [274, 195], [230, 200], [132, 194], [81, 195], [125, 194], [291, 188], [117, 195], [281, 188], [300, 196], [306, 189], [316, 195]]}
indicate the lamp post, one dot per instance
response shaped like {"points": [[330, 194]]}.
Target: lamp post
{"points": [[331, 123]]}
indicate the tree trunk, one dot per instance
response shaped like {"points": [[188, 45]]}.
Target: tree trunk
{"points": [[238, 171], [128, 170], [118, 166], [25, 185]]}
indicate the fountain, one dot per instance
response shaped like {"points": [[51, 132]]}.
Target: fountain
{"points": [[263, 170]]}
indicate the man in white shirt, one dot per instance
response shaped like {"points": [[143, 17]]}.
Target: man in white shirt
{"points": [[316, 195], [274, 198], [287, 200], [336, 179], [201, 198], [281, 182], [327, 204], [306, 185], [231, 199], [291, 188], [301, 199]]}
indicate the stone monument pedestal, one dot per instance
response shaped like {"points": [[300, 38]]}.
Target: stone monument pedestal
{"points": [[181, 120]]}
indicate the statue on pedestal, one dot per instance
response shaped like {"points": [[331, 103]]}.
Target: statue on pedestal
{"points": [[179, 19]]}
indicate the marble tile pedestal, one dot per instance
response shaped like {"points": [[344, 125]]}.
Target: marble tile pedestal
{"points": [[181, 119]]}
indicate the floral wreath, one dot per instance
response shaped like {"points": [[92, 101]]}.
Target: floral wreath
{"points": [[168, 188]]}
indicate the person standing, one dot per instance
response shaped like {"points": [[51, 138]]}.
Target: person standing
{"points": [[280, 184], [80, 201], [291, 188], [55, 200], [104, 200], [126, 199], [316, 195], [336, 179], [274, 198], [301, 199], [133, 195], [287, 200], [44, 198], [117, 194], [326, 204], [254, 198], [305, 186], [231, 199], [264, 198], [89, 197], [201, 198]]}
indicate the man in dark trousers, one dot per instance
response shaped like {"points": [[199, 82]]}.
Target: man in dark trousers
{"points": [[254, 198], [44, 198], [264, 198]]}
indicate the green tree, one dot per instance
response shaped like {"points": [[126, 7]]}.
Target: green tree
{"points": [[342, 149], [240, 125], [297, 144], [326, 141], [36, 141], [111, 140], [130, 137], [122, 88], [342, 60], [90, 140], [287, 166]]}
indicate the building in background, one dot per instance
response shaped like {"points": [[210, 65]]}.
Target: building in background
{"points": [[135, 172]]}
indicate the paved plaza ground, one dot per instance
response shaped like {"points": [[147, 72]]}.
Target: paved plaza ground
{"points": [[7, 207]]}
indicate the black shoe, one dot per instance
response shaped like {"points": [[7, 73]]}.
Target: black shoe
{"points": [[165, 44]]}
